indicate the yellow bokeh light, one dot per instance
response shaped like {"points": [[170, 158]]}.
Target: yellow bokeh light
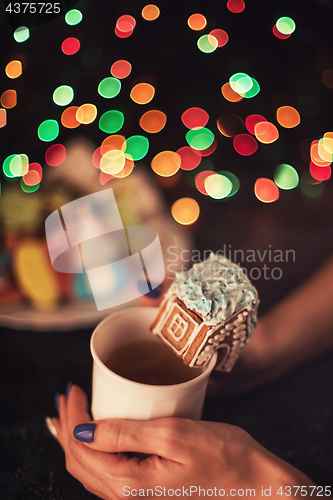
{"points": [[86, 113], [166, 163], [112, 162], [14, 69], [185, 211]]}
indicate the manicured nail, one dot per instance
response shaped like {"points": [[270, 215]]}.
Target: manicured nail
{"points": [[57, 401], [85, 432], [155, 293], [152, 294], [50, 427], [68, 388]]}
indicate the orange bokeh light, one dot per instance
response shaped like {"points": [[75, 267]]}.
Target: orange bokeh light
{"points": [[142, 93], [185, 211], [266, 132], [9, 99], [197, 22], [153, 121], [166, 163], [68, 117], [288, 117], [266, 190]]}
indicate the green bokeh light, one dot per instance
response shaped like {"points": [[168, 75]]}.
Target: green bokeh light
{"points": [[233, 179], [137, 146], [21, 34], [109, 87], [6, 166], [218, 186], [240, 83], [111, 121], [254, 90], [200, 139], [48, 130], [285, 25], [207, 43], [19, 165], [73, 17], [63, 95], [285, 176], [29, 189]]}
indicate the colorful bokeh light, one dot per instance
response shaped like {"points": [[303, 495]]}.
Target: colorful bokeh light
{"points": [[3, 117], [221, 37], [21, 34], [166, 163], [320, 173], [229, 94], [136, 147], [48, 130], [14, 69], [286, 177], [200, 138], [63, 95], [109, 87], [195, 117], [68, 117], [70, 46], [73, 17], [266, 132], [121, 69], [142, 93], [266, 190], [285, 25], [218, 186], [200, 180], [150, 12], [86, 113], [245, 144], [233, 179], [278, 34], [189, 159], [153, 121], [207, 43], [8, 99], [288, 117], [55, 155], [230, 125], [197, 22], [236, 6], [252, 120], [111, 121], [185, 211]]}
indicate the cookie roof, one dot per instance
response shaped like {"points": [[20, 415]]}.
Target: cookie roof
{"points": [[215, 289]]}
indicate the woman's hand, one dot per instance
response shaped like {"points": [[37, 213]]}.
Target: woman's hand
{"points": [[125, 458]]}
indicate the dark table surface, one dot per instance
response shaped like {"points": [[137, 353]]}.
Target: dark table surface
{"points": [[292, 417]]}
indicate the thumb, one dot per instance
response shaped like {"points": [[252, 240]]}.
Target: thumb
{"points": [[164, 437]]}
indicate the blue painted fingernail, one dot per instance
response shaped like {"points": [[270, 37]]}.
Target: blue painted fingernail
{"points": [[57, 401], [85, 432], [68, 388], [155, 293]]}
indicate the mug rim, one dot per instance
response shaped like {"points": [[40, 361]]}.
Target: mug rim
{"points": [[203, 375]]}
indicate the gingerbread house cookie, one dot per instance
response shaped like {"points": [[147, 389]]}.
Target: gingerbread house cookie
{"points": [[212, 306]]}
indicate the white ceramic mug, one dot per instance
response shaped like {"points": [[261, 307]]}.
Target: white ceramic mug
{"points": [[116, 397]]}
